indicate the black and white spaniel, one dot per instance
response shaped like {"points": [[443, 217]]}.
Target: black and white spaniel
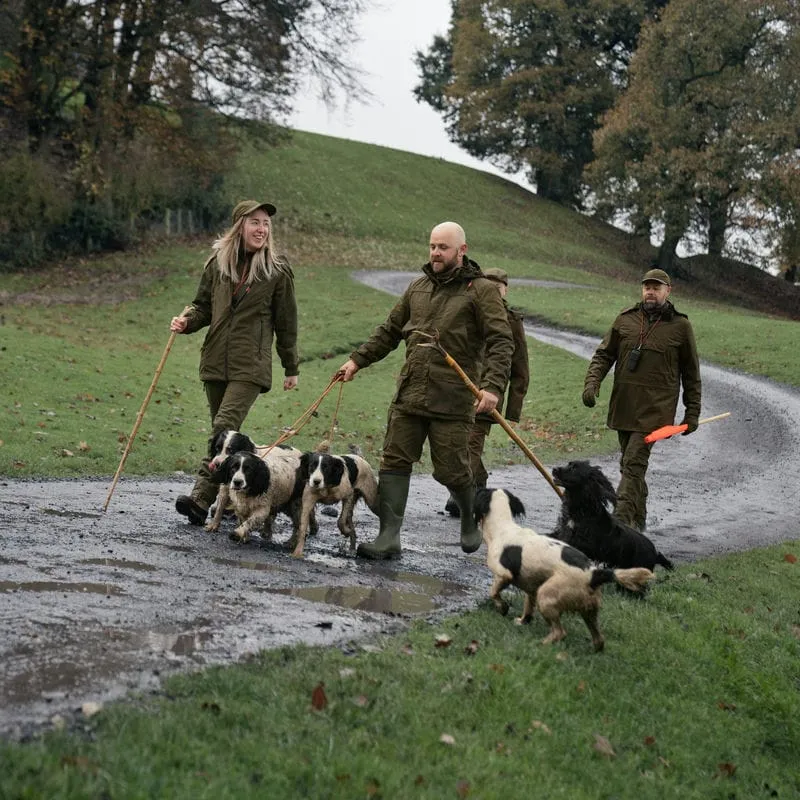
{"points": [[555, 577], [230, 442], [260, 487], [586, 521], [328, 478]]}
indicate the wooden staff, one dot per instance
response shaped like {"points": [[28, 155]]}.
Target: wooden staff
{"points": [[140, 415], [499, 418]]}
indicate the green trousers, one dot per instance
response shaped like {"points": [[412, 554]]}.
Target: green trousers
{"points": [[229, 404], [632, 489]]}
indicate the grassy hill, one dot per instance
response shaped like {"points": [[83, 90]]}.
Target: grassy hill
{"points": [[82, 339]]}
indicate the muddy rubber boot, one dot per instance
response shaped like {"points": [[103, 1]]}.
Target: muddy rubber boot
{"points": [[470, 535], [451, 507], [392, 497]]}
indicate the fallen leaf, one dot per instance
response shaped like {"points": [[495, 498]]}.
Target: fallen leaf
{"points": [[562, 656], [420, 780], [81, 762], [67, 453], [795, 629], [649, 740], [361, 701], [463, 788], [318, 698], [581, 687], [443, 641], [83, 447], [723, 706], [446, 738], [603, 746], [497, 668], [373, 788], [90, 708], [725, 770], [471, 648], [407, 649], [539, 725], [791, 558]]}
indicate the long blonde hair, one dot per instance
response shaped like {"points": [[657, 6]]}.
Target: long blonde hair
{"points": [[230, 254]]}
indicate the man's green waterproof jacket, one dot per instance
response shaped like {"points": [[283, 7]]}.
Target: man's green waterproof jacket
{"points": [[238, 345], [646, 398], [468, 312]]}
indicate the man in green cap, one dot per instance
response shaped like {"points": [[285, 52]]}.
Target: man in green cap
{"points": [[517, 388], [652, 345], [453, 298]]}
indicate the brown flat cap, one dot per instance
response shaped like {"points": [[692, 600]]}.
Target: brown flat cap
{"points": [[656, 275], [247, 207], [495, 274]]}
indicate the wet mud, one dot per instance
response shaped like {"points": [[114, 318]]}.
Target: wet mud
{"points": [[94, 606]]}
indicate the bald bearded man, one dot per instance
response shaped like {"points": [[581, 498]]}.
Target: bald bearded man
{"points": [[431, 402]]}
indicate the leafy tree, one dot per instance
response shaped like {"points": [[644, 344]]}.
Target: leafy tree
{"points": [[131, 102], [522, 83], [710, 110]]}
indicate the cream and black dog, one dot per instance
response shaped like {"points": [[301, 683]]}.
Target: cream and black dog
{"points": [[330, 478], [283, 463], [260, 487], [555, 577]]}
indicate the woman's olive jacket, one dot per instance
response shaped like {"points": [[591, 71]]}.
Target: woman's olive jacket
{"points": [[645, 398], [468, 312], [238, 345]]}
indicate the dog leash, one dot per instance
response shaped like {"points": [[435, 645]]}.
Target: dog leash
{"points": [[304, 418]]}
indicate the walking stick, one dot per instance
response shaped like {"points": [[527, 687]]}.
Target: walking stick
{"points": [[494, 412], [140, 415]]}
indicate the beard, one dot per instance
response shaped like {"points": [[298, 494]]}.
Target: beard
{"points": [[651, 305]]}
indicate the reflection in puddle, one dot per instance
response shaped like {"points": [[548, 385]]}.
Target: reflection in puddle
{"points": [[183, 643], [53, 586], [57, 512], [257, 565], [363, 598], [114, 562]]}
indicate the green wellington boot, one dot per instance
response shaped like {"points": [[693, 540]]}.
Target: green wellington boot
{"points": [[392, 497], [470, 535]]}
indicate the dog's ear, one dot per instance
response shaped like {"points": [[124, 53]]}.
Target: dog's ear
{"points": [[302, 470], [222, 474], [605, 490], [260, 478], [215, 444], [515, 505], [483, 499]]}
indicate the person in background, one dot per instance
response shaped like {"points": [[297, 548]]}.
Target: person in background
{"points": [[652, 348], [246, 298], [517, 389], [432, 402]]}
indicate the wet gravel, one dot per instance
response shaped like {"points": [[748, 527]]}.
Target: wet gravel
{"points": [[94, 606]]}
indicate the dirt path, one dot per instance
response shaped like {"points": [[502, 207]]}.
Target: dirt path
{"points": [[97, 605]]}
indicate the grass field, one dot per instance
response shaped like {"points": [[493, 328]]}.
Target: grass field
{"points": [[696, 696]]}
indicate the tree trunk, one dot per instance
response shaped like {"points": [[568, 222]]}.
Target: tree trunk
{"points": [[717, 225]]}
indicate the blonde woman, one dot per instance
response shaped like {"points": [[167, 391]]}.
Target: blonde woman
{"points": [[246, 298]]}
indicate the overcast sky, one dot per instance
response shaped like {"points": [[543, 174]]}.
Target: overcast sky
{"points": [[391, 32]]}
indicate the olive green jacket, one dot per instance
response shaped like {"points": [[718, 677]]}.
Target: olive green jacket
{"points": [[519, 376], [469, 314], [646, 398], [238, 345]]}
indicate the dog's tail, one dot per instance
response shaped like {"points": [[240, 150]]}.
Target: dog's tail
{"points": [[664, 561], [635, 580]]}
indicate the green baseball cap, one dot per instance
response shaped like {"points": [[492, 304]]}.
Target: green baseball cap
{"points": [[656, 275], [247, 207]]}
